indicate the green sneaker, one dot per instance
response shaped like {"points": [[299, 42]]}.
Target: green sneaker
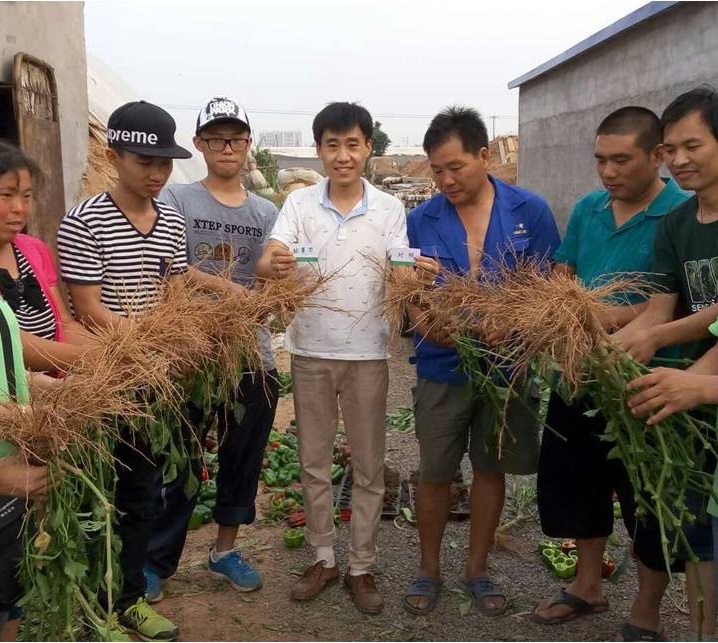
{"points": [[118, 633], [142, 619]]}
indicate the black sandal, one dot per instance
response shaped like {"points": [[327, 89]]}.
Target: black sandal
{"points": [[579, 606], [634, 633]]}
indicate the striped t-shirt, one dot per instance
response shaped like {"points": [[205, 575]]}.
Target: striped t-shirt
{"points": [[98, 245], [39, 321]]}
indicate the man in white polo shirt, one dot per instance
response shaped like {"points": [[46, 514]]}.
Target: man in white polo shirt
{"points": [[339, 344]]}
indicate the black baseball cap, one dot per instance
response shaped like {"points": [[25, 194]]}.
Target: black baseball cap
{"points": [[144, 128], [221, 109]]}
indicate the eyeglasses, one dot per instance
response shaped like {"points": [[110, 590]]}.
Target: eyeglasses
{"points": [[235, 144]]}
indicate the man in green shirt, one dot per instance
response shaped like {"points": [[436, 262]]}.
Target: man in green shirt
{"points": [[686, 260], [610, 233]]}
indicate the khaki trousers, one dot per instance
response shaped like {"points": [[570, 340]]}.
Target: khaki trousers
{"points": [[359, 387]]}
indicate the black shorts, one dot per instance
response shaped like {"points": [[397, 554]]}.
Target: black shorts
{"points": [[577, 481], [699, 534], [10, 553]]}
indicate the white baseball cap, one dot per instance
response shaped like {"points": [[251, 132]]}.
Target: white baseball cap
{"points": [[221, 109]]}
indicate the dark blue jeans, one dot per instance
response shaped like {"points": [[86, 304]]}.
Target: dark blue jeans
{"points": [[243, 432], [137, 499]]}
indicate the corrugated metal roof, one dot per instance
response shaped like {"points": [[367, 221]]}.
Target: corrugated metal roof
{"points": [[632, 20]]}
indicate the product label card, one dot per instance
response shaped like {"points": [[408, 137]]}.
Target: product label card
{"points": [[404, 256], [304, 252]]}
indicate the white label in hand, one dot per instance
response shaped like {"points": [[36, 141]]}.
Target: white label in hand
{"points": [[404, 256], [304, 252]]}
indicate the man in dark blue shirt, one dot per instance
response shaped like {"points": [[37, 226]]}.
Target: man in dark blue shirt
{"points": [[475, 225]]}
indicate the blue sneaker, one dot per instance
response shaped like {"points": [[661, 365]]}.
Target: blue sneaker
{"points": [[153, 586], [233, 568]]}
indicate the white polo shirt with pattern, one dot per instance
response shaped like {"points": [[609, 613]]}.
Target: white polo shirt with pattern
{"points": [[344, 321]]}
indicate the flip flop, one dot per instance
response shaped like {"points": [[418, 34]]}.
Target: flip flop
{"points": [[481, 588], [425, 587], [578, 605], [634, 633]]}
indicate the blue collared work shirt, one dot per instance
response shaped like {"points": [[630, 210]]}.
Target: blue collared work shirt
{"points": [[521, 226]]}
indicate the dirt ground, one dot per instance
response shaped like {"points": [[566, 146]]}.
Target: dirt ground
{"points": [[207, 609]]}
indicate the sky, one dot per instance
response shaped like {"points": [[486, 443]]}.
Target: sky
{"points": [[284, 59]]}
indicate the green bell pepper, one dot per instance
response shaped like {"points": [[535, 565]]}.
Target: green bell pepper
{"points": [[270, 477], [566, 568], [548, 544], [201, 515], [296, 494], [548, 555], [208, 490], [293, 538], [195, 521], [337, 472]]}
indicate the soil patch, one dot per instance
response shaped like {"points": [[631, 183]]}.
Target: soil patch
{"points": [[207, 609]]}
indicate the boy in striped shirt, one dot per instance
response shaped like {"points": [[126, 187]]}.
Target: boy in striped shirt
{"points": [[113, 248]]}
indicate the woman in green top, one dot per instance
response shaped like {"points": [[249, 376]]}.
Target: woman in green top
{"points": [[30, 295], [19, 481]]}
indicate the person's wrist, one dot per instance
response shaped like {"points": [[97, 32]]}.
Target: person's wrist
{"points": [[703, 394], [658, 337], [707, 390]]}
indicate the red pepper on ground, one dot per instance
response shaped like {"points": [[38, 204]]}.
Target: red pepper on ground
{"points": [[568, 545], [297, 518], [608, 568]]}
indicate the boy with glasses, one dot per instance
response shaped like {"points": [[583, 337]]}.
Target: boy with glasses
{"points": [[227, 228]]}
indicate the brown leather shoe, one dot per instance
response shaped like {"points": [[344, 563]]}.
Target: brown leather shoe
{"points": [[364, 593], [313, 581]]}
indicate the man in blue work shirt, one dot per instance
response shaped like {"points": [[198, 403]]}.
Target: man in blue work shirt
{"points": [[475, 225], [610, 233]]}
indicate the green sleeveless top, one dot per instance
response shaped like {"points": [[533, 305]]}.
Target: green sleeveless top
{"points": [[13, 387], [13, 383]]}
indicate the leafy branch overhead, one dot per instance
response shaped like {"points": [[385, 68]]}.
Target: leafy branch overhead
{"points": [[380, 140]]}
